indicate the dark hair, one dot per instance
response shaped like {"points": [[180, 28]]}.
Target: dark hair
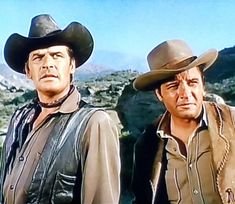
{"points": [[201, 68], [71, 55], [159, 83]]}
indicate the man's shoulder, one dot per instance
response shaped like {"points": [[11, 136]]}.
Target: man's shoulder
{"points": [[24, 108], [95, 114], [226, 112], [99, 116], [149, 136], [219, 106]]}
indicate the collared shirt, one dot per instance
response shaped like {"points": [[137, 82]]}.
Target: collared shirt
{"points": [[191, 177], [99, 156]]}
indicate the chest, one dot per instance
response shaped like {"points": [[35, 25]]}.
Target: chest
{"points": [[191, 177]]}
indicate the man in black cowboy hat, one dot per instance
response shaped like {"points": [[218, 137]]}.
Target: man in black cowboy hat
{"points": [[58, 149], [187, 155]]}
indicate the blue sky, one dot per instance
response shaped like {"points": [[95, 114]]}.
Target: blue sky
{"points": [[132, 27]]}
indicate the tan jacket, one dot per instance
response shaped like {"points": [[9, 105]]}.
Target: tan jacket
{"points": [[221, 124], [222, 131]]}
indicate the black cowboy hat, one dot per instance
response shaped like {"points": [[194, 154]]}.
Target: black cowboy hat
{"points": [[44, 32]]}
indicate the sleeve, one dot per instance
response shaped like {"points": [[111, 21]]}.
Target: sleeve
{"points": [[139, 176], [2, 173], [135, 176], [101, 161], [144, 154], [6, 145]]}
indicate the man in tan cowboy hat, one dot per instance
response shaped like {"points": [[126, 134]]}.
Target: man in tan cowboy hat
{"points": [[188, 154], [58, 149]]}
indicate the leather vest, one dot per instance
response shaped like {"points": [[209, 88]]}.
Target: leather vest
{"points": [[58, 176]]}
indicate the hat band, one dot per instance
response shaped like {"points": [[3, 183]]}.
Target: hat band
{"points": [[177, 65]]}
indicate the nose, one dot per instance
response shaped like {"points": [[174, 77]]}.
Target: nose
{"points": [[184, 90], [47, 62]]}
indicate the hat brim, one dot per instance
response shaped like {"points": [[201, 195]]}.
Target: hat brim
{"points": [[149, 80], [75, 36]]}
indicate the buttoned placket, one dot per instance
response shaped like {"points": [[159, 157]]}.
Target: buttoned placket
{"points": [[20, 162], [192, 169], [190, 163]]}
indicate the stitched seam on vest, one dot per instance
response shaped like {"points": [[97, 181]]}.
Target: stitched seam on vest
{"points": [[225, 157]]}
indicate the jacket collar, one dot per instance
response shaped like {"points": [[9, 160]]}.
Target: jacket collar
{"points": [[71, 103], [214, 116], [164, 123]]}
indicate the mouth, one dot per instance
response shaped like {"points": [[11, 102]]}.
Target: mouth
{"points": [[186, 105], [45, 76]]}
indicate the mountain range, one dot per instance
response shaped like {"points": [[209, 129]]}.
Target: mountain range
{"points": [[104, 62]]}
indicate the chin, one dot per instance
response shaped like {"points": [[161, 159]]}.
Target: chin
{"points": [[189, 114], [50, 90]]}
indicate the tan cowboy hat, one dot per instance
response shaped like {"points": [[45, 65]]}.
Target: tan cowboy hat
{"points": [[170, 58], [44, 32]]}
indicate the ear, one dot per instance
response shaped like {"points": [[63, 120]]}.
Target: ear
{"points": [[158, 94], [73, 66], [27, 71], [204, 94]]}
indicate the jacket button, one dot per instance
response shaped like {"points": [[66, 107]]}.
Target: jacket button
{"points": [[195, 191], [11, 187], [21, 158]]}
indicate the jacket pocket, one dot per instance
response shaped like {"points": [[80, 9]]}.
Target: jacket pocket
{"points": [[172, 186], [62, 191]]}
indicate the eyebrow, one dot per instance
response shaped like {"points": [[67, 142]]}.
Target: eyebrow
{"points": [[193, 79], [175, 80], [170, 83], [50, 53]]}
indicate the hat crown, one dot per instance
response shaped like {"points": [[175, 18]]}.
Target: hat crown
{"points": [[169, 53], [42, 25], [44, 32], [169, 59]]}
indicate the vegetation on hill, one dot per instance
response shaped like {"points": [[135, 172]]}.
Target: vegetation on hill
{"points": [[104, 92]]}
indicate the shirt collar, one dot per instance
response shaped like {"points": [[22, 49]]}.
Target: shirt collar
{"points": [[204, 119], [71, 103], [164, 123]]}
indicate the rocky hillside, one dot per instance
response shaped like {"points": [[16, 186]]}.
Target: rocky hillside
{"points": [[223, 67]]}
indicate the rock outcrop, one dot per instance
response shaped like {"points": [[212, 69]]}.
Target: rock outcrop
{"points": [[136, 109]]}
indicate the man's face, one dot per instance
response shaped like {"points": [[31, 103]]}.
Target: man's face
{"points": [[183, 96], [50, 70]]}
